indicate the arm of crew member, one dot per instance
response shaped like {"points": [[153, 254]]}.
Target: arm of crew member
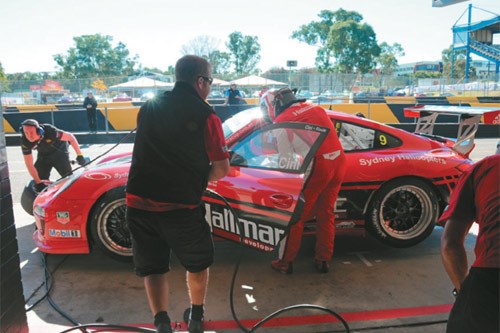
{"points": [[67, 136], [28, 160], [218, 170], [453, 250]]}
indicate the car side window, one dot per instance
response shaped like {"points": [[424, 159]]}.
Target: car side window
{"points": [[282, 149], [354, 137]]}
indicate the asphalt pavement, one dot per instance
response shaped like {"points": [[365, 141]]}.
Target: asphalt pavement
{"points": [[375, 288]]}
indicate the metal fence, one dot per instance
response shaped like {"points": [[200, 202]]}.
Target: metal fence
{"points": [[308, 85]]}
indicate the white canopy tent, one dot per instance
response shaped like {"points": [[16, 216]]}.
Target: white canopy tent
{"points": [[220, 82], [142, 83], [257, 81], [141, 86]]}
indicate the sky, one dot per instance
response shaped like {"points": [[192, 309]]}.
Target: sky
{"points": [[32, 32]]}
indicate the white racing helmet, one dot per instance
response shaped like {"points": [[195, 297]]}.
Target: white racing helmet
{"points": [[274, 101]]}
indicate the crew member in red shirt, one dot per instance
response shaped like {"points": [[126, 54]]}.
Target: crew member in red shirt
{"points": [[322, 180], [476, 198]]}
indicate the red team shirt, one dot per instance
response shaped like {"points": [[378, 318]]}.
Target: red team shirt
{"points": [[215, 145], [477, 198]]}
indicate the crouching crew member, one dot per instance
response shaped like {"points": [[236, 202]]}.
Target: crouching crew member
{"points": [[52, 146]]}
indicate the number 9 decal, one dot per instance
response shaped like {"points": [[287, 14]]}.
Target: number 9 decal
{"points": [[382, 139]]}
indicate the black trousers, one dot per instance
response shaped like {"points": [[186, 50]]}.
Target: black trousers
{"points": [[59, 160], [476, 307], [92, 118]]}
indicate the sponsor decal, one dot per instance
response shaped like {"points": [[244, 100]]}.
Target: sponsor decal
{"points": [[315, 128], [496, 120], [289, 163], [401, 157], [62, 217], [97, 176], [57, 233], [257, 235], [376, 160], [120, 175], [332, 155], [426, 158]]}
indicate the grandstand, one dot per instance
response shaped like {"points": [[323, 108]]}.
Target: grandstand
{"points": [[478, 39]]}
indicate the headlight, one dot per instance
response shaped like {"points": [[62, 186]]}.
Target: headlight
{"points": [[39, 211]]}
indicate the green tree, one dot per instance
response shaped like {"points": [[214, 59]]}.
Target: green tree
{"points": [[388, 57], [4, 82], [316, 34], [459, 64], [353, 44], [341, 38], [245, 52], [93, 56]]}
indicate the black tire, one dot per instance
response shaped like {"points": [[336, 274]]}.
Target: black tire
{"points": [[403, 212], [109, 227], [28, 197]]}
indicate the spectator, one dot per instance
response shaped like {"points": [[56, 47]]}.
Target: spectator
{"points": [[476, 198], [322, 182], [179, 147], [90, 104], [233, 98], [263, 91], [52, 146]]}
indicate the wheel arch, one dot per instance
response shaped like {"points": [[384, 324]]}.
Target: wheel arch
{"points": [[437, 192], [94, 207]]}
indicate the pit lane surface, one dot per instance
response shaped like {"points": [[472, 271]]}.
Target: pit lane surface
{"points": [[374, 287]]}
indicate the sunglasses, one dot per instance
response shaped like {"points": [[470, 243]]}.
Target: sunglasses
{"points": [[208, 79]]}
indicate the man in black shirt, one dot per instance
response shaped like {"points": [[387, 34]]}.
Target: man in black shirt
{"points": [[52, 146], [179, 147], [90, 104], [233, 97]]}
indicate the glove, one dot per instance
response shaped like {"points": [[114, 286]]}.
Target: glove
{"points": [[40, 187], [81, 160]]}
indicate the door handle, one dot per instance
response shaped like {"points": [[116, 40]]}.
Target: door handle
{"points": [[281, 200]]}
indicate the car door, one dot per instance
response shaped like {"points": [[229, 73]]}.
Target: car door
{"points": [[263, 187]]}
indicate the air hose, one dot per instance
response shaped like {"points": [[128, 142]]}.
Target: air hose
{"points": [[233, 280]]}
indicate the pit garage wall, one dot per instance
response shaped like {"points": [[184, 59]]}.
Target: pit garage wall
{"points": [[12, 313]]}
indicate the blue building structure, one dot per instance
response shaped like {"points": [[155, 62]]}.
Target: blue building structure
{"points": [[477, 38]]}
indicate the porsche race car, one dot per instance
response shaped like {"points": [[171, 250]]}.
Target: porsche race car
{"points": [[396, 186]]}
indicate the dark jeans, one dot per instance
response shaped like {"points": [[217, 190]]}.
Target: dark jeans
{"points": [[58, 160], [92, 118], [476, 307]]}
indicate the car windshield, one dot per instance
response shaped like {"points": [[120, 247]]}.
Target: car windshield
{"points": [[240, 120]]}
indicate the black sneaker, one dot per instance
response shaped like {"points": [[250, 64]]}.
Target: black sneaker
{"points": [[164, 328], [195, 326], [322, 266]]}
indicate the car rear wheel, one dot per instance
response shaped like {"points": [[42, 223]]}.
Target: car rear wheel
{"points": [[109, 226], [403, 212]]}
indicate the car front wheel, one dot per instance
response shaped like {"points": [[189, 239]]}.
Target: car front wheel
{"points": [[403, 212], [109, 226]]}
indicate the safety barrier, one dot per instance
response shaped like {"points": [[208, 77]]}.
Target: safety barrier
{"points": [[121, 116]]}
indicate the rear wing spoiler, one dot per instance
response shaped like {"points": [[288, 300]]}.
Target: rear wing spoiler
{"points": [[469, 119]]}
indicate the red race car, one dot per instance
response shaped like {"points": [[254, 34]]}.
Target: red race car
{"points": [[396, 186]]}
